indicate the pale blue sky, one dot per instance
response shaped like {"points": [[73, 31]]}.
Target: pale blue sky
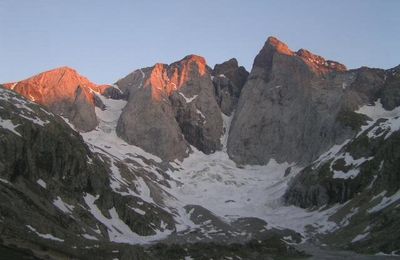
{"points": [[105, 40]]}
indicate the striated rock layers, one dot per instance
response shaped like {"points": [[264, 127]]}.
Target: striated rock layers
{"points": [[295, 105], [170, 107], [65, 93]]}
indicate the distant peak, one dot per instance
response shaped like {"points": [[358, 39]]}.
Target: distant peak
{"points": [[194, 58], [62, 69], [65, 68], [166, 79], [226, 66], [233, 61], [198, 60], [57, 84], [315, 62], [278, 45]]}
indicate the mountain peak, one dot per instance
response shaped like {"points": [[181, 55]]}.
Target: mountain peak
{"points": [[64, 91], [57, 71], [315, 62], [165, 79], [278, 46], [194, 59], [65, 68], [231, 63]]}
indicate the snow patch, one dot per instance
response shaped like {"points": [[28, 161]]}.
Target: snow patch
{"points": [[201, 114], [139, 211], [349, 161], [4, 181], [61, 205], [46, 236], [104, 138], [188, 100], [35, 120], [385, 202], [8, 125], [144, 190], [87, 236], [226, 123], [377, 111], [118, 231], [360, 237], [41, 183]]}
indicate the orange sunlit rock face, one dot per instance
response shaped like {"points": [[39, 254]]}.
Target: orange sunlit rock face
{"points": [[317, 63], [164, 79], [56, 85], [279, 46]]}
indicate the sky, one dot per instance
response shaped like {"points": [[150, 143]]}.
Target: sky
{"points": [[106, 40]]}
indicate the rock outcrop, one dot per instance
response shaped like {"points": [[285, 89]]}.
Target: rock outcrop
{"points": [[65, 93], [366, 163], [170, 107], [228, 79], [390, 95], [292, 106], [362, 178]]}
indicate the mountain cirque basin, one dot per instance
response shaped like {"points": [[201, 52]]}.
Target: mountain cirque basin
{"points": [[298, 158]]}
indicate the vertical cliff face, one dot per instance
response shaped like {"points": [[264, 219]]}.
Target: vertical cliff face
{"points": [[64, 92], [170, 107], [291, 106], [228, 79]]}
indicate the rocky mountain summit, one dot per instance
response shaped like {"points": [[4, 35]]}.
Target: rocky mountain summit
{"points": [[65, 93], [295, 105], [185, 161], [171, 107]]}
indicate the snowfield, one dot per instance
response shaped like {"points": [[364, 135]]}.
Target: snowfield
{"points": [[214, 182], [230, 192]]}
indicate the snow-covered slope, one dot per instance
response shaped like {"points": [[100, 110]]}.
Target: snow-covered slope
{"points": [[211, 195], [224, 192]]}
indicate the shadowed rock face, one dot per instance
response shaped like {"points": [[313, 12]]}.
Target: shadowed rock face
{"points": [[290, 106], [170, 107], [391, 92], [65, 93], [228, 79], [46, 173]]}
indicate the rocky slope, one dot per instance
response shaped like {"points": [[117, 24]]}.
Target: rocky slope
{"points": [[55, 190], [363, 175]]}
